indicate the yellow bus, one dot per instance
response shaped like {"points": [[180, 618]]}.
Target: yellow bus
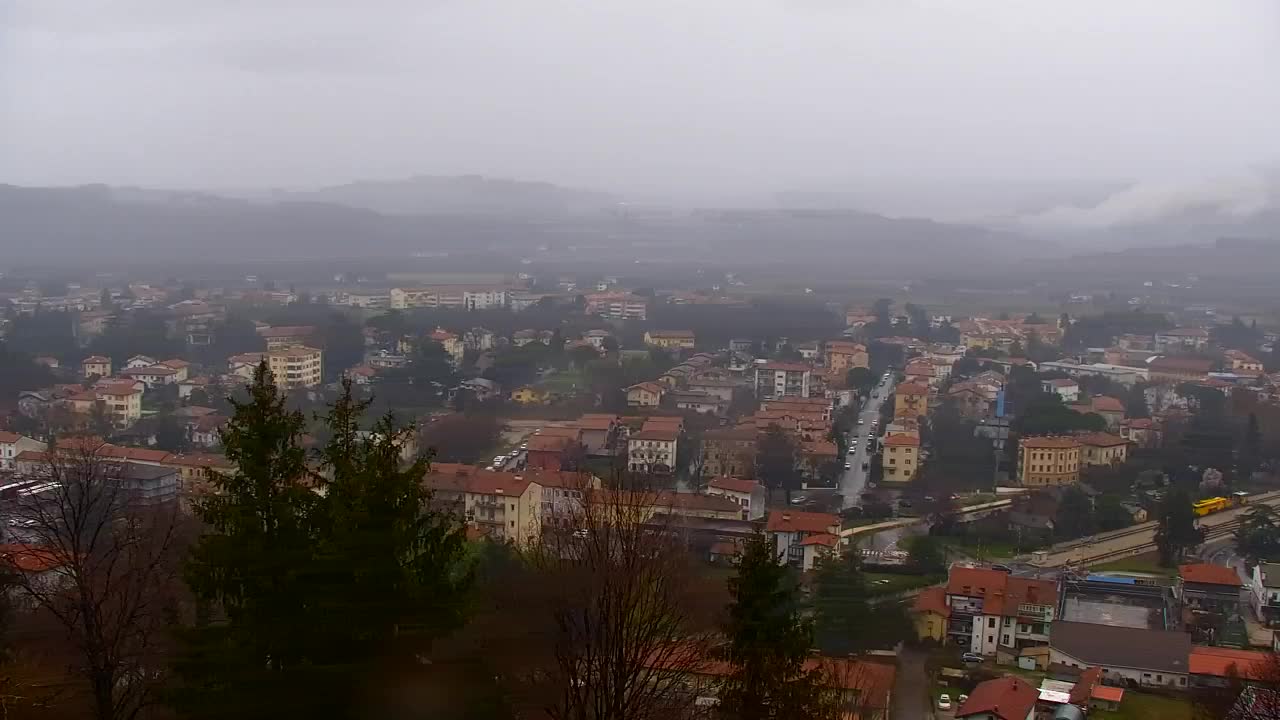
{"points": [[1210, 505]]}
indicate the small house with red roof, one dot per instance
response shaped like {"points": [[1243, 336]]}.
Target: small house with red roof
{"points": [[1206, 587], [1006, 698], [996, 613], [800, 538], [929, 614], [748, 494], [1219, 666], [95, 366]]}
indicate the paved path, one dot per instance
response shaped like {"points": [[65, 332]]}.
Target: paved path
{"points": [[854, 480], [911, 686]]}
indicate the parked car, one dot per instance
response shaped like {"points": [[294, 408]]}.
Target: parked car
{"points": [[960, 701], [797, 499], [971, 657], [944, 702]]}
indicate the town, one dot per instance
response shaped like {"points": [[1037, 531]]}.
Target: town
{"points": [[997, 514]]}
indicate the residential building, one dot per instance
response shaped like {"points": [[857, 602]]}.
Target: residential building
{"points": [[748, 494], [729, 452], [722, 389], [1210, 588], [484, 298], [775, 379], [1102, 449], [96, 365], [801, 538], [462, 297], [699, 402], [180, 367], [816, 455], [596, 338], [140, 361], [842, 355], [911, 400], [478, 339], [503, 506], [617, 305], [296, 366], [599, 432], [653, 450], [1124, 375], [122, 403], [1006, 698], [900, 457], [645, 394], [1048, 461], [1138, 656], [1264, 593], [549, 452], [245, 365], [1142, 432], [1181, 339], [453, 346], [670, 339], [996, 613], [153, 376], [11, 445], [283, 336], [930, 613], [1242, 363], [1065, 388], [1108, 408], [1177, 369]]}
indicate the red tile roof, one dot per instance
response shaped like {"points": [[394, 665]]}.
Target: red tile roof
{"points": [[733, 484], [1224, 662], [1107, 693], [549, 443], [911, 389], [785, 366], [903, 440], [975, 582], [1209, 574], [932, 600], [796, 521], [95, 360], [480, 483], [9, 437], [1104, 403], [822, 539], [660, 434], [1007, 698], [29, 558], [1083, 689]]}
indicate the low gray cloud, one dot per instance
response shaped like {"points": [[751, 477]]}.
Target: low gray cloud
{"points": [[710, 98]]}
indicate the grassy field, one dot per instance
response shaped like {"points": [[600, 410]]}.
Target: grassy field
{"points": [[983, 550], [1146, 563], [1140, 706]]}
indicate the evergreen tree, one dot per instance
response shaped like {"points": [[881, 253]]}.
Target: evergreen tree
{"points": [[768, 645], [840, 604], [246, 655], [1176, 531]]}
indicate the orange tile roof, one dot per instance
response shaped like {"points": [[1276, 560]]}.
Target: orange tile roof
{"points": [[1107, 693], [974, 582], [1209, 574], [30, 558], [1104, 403], [733, 484], [785, 366], [9, 437], [1007, 698], [823, 539], [1049, 442], [797, 521], [1223, 662], [661, 434], [481, 483], [911, 389], [932, 600], [903, 440]]}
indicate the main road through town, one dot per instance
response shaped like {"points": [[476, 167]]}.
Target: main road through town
{"points": [[854, 480]]}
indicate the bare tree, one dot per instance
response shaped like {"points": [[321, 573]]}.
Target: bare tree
{"points": [[94, 545], [628, 621]]}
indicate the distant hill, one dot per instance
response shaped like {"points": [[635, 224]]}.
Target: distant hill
{"points": [[460, 195]]}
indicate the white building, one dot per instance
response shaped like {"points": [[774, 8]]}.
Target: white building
{"points": [[1264, 592], [298, 366], [782, 379], [11, 444], [748, 494]]}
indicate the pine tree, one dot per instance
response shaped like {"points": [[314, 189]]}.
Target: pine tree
{"points": [[769, 644], [840, 609], [1176, 531], [249, 572]]}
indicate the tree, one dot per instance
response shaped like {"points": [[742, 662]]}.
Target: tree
{"points": [[582, 356], [389, 572], [1075, 515], [250, 570], [1258, 536], [626, 618], [1135, 402], [860, 379], [776, 460], [117, 557], [1176, 531], [1112, 515], [768, 644], [839, 603], [172, 435], [462, 437], [926, 555]]}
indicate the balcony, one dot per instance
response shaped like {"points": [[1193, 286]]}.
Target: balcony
{"points": [[959, 628]]}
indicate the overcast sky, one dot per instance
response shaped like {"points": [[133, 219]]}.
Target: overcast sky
{"points": [[698, 95]]}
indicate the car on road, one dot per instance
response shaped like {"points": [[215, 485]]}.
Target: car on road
{"points": [[944, 702], [797, 499], [848, 466], [971, 657], [861, 421], [960, 701]]}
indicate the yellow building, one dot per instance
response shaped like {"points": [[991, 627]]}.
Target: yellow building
{"points": [[1047, 461], [297, 366], [502, 506], [843, 355], [645, 394], [681, 339], [900, 458], [911, 400], [529, 396], [1102, 449], [930, 613]]}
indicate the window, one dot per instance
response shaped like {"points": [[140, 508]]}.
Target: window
{"points": [[1006, 640], [990, 640], [991, 622]]}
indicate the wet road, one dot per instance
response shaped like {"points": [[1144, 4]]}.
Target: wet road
{"points": [[854, 480]]}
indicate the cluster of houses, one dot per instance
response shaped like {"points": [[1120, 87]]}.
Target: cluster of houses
{"points": [[1108, 631]]}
